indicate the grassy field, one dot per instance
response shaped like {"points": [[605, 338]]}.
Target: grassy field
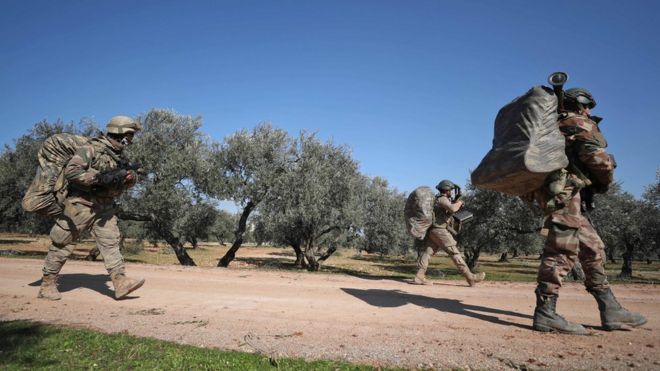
{"points": [[344, 261], [28, 346]]}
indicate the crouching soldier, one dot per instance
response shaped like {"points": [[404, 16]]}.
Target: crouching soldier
{"points": [[95, 176], [439, 236]]}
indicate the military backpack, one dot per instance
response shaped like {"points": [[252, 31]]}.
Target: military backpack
{"points": [[418, 212], [49, 186], [527, 145]]}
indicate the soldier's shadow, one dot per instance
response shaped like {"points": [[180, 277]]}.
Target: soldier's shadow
{"points": [[398, 298], [95, 282]]}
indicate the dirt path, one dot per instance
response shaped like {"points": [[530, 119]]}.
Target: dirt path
{"points": [[378, 322]]}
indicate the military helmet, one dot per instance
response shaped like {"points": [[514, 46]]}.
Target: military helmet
{"points": [[581, 96], [445, 185], [122, 125]]}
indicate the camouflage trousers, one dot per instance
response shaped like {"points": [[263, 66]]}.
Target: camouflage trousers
{"points": [[571, 237], [83, 214], [436, 238]]}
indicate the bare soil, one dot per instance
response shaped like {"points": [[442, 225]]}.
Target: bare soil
{"points": [[381, 322]]}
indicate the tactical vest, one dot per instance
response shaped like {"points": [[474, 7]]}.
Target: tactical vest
{"points": [[442, 216]]}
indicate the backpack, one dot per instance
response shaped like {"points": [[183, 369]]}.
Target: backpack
{"points": [[418, 212], [49, 186], [527, 145]]}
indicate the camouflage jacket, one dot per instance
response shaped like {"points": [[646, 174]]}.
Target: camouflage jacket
{"points": [[585, 148], [98, 155], [443, 210]]}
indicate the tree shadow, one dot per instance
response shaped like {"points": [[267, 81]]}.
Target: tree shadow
{"points": [[398, 298], [95, 282], [16, 241], [24, 337]]}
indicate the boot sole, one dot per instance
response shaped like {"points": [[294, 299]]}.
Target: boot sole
{"points": [[48, 298], [622, 325], [542, 328], [137, 286]]}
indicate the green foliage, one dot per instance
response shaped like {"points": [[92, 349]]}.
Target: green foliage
{"points": [[628, 227], [174, 155], [17, 169], [500, 223], [382, 224], [28, 345], [316, 199]]}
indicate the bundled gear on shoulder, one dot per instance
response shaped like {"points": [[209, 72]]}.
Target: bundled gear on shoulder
{"points": [[527, 145], [418, 212], [49, 186]]}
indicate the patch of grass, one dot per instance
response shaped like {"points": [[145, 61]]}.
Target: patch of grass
{"points": [[27, 346]]}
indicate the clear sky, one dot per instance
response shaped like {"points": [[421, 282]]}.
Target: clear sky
{"points": [[412, 87]]}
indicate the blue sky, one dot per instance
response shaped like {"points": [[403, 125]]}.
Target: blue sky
{"points": [[412, 87]]}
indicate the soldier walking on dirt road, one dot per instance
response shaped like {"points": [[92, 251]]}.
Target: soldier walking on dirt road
{"points": [[96, 174], [439, 236], [571, 236]]}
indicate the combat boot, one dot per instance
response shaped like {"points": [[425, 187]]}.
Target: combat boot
{"points": [[48, 288], [420, 279], [612, 315], [471, 278], [124, 285], [546, 318]]}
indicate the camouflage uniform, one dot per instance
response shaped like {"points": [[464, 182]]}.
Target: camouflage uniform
{"points": [[94, 180], [88, 209], [570, 234], [440, 237]]}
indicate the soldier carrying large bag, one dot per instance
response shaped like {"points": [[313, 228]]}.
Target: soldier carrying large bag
{"points": [[548, 148], [430, 219], [76, 184]]}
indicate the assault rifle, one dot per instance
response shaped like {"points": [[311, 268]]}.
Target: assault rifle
{"points": [[117, 175]]}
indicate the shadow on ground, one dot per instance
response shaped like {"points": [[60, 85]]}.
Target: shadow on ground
{"points": [[95, 282], [398, 298]]}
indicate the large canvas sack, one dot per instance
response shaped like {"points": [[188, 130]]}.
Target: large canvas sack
{"points": [[527, 145], [418, 212], [48, 189]]}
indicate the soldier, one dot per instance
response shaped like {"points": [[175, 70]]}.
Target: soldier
{"points": [[95, 179], [439, 236], [570, 234]]}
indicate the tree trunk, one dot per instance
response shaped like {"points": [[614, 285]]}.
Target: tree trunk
{"points": [[577, 273], [331, 250], [504, 258], [300, 256], [93, 254], [626, 268], [193, 242], [238, 236], [312, 264], [175, 243], [472, 257], [610, 256]]}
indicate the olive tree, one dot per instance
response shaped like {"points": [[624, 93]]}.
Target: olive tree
{"points": [[314, 207], [382, 225], [247, 166], [627, 226], [174, 155], [501, 223]]}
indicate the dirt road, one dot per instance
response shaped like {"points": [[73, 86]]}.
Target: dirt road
{"points": [[323, 316]]}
